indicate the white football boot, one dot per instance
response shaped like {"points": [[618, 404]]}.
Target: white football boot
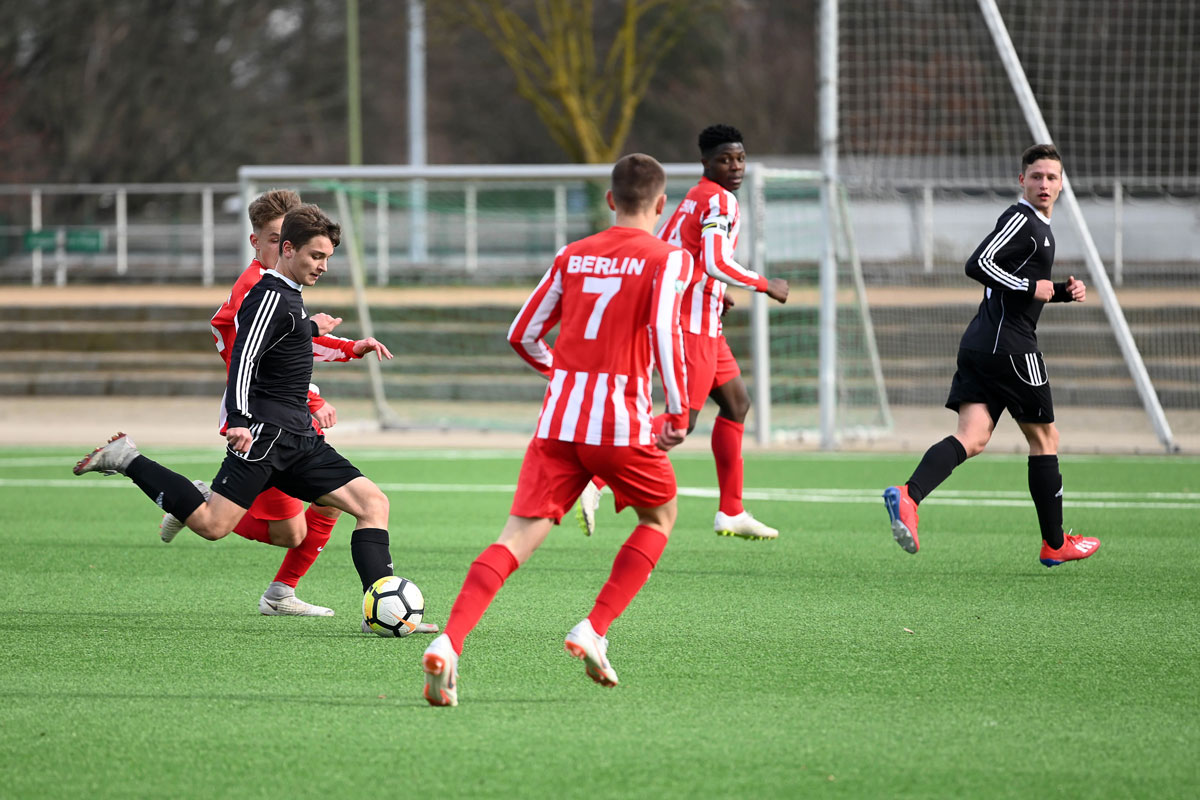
{"points": [[171, 524], [585, 644], [743, 525], [589, 503], [279, 600], [111, 458], [441, 672]]}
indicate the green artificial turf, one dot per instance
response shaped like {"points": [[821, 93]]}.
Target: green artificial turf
{"points": [[827, 663]]}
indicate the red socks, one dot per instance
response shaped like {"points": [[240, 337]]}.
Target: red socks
{"points": [[727, 452], [485, 577], [252, 528], [299, 559], [630, 571]]}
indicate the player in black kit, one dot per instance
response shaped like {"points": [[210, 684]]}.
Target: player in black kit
{"points": [[271, 440], [1000, 366]]}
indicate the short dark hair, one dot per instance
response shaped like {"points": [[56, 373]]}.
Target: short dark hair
{"points": [[306, 222], [1037, 153], [714, 136], [637, 181], [271, 205]]}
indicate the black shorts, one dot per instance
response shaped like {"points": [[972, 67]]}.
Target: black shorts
{"points": [[301, 466], [1014, 382]]}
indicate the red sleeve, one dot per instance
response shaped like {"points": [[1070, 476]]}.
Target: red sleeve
{"points": [[667, 335], [224, 322], [717, 221], [333, 348], [539, 314]]}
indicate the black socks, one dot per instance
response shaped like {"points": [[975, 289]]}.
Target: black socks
{"points": [[1045, 487], [936, 465], [170, 490], [372, 558]]}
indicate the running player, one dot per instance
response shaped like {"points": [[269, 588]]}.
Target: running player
{"points": [[616, 297], [706, 224], [271, 439], [1000, 366]]}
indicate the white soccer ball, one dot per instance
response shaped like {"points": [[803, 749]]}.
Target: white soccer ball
{"points": [[393, 606]]}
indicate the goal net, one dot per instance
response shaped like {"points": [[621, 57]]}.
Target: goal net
{"points": [[440, 259], [930, 133]]}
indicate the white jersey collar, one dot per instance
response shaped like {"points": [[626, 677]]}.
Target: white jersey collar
{"points": [[1040, 216], [298, 287]]}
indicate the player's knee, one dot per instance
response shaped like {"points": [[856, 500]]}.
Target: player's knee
{"points": [[376, 506]]}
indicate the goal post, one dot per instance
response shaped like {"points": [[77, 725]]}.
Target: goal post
{"points": [[490, 233], [935, 101]]}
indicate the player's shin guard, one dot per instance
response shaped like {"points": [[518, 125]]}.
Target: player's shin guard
{"points": [[371, 555], [1045, 487], [253, 528], [487, 574], [630, 571], [299, 559], [936, 465], [727, 453], [170, 490]]}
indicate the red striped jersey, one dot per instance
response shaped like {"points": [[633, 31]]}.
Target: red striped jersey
{"points": [[707, 224], [615, 297], [224, 331]]}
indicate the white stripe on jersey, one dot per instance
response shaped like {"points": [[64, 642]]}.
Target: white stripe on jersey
{"points": [[986, 262], [570, 419], [662, 326], [595, 428], [258, 330], [537, 323], [696, 305], [556, 382], [643, 410], [620, 411]]}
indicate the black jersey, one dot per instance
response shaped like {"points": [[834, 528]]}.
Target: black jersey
{"points": [[271, 365], [1009, 263]]}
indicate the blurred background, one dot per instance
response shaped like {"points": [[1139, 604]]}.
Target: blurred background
{"points": [[125, 128]]}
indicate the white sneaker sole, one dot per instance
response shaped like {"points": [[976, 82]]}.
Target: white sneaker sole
{"points": [[593, 665], [291, 607], [441, 688]]}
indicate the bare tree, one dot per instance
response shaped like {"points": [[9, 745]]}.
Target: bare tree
{"points": [[587, 99]]}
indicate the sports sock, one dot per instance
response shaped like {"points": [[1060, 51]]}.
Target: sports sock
{"points": [[630, 571], [936, 465], [727, 451], [370, 553], [298, 559], [170, 490], [487, 574], [1045, 487], [253, 528]]}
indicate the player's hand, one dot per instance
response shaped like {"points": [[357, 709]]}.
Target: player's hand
{"points": [[1044, 291], [425, 627], [777, 289], [239, 439], [669, 436], [325, 323], [326, 415], [1077, 289], [726, 304], [371, 344]]}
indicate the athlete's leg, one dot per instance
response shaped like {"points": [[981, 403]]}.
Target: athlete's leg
{"points": [[633, 564], [369, 544], [1045, 480]]}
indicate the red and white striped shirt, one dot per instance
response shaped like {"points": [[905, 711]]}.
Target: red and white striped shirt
{"points": [[707, 224], [616, 295], [224, 331]]}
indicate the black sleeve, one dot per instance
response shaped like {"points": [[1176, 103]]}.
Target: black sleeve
{"points": [[1061, 295], [261, 317], [1002, 247]]}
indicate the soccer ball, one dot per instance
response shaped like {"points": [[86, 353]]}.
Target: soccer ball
{"points": [[393, 606]]}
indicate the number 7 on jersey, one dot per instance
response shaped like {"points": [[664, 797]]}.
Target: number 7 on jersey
{"points": [[607, 288]]}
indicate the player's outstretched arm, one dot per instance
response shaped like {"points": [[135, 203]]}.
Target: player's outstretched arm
{"points": [[325, 323], [371, 345]]}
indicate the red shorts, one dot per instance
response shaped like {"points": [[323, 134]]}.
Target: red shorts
{"points": [[554, 474], [710, 363], [273, 504]]}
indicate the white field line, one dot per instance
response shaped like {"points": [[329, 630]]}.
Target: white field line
{"points": [[1006, 499]]}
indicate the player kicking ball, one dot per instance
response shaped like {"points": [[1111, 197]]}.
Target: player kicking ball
{"points": [[271, 440], [1000, 366], [276, 518], [615, 297]]}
